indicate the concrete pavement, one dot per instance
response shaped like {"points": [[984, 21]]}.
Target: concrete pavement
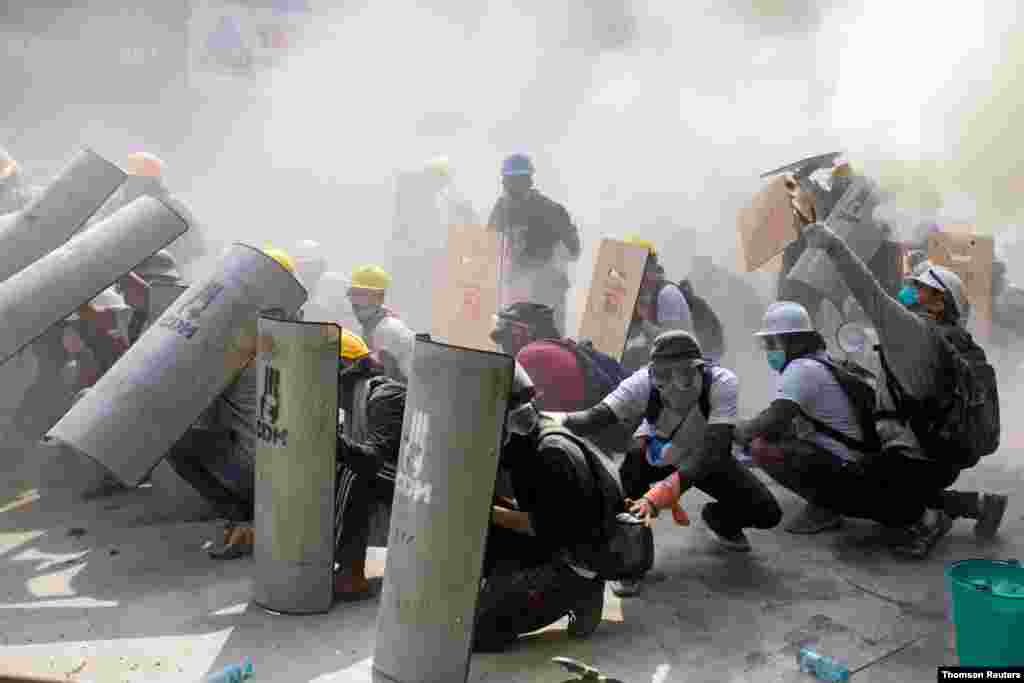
{"points": [[119, 588]]}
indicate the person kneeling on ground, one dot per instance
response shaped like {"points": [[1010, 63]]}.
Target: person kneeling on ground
{"points": [[368, 447], [689, 408], [542, 544]]}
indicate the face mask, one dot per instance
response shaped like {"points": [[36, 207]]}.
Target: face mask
{"points": [[908, 296], [776, 360], [365, 312]]}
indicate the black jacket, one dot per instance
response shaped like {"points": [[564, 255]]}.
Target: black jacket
{"points": [[547, 223], [385, 408]]}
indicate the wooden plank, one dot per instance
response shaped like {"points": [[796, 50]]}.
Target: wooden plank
{"points": [[766, 225], [614, 287], [970, 255], [466, 295]]}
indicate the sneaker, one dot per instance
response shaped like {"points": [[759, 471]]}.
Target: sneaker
{"points": [[991, 508], [626, 588], [586, 616], [735, 542], [814, 520], [922, 536]]}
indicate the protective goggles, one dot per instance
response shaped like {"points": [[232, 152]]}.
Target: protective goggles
{"points": [[683, 375]]}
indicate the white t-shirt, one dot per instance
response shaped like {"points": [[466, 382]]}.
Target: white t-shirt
{"points": [[813, 387], [393, 336], [630, 398]]}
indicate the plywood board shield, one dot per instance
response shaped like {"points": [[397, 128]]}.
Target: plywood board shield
{"points": [[466, 290], [296, 442], [766, 225], [961, 249], [448, 463], [610, 302]]}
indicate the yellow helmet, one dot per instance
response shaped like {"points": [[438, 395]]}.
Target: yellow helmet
{"points": [[144, 164], [439, 166], [352, 346], [370, 277], [842, 169], [281, 257], [637, 240]]}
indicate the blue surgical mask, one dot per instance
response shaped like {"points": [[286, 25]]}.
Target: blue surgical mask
{"points": [[908, 296], [776, 360]]}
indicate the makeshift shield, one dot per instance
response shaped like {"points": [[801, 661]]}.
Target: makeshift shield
{"points": [[766, 225], [161, 296], [54, 216], [296, 432], [466, 291], [53, 287], [611, 299], [451, 436], [161, 385], [969, 255], [850, 220]]}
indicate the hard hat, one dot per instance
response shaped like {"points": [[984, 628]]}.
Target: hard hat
{"points": [[842, 169], [352, 346], [785, 317], [517, 164], [677, 346], [944, 280], [370, 277], [160, 264], [637, 240], [144, 164], [281, 257], [439, 166]]}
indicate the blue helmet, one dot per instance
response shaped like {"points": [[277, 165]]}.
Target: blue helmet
{"points": [[517, 164]]}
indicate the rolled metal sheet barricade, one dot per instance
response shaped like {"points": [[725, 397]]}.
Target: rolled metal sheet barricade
{"points": [[451, 438], [57, 213], [162, 384], [161, 296], [851, 219], [295, 465], [50, 289]]}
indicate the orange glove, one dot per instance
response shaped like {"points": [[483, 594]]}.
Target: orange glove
{"points": [[666, 494]]}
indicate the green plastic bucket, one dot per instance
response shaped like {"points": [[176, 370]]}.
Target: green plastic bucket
{"points": [[987, 599]]}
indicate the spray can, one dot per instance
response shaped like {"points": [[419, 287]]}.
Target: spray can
{"points": [[824, 668]]}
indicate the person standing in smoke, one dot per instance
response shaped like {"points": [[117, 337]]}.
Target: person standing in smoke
{"points": [[538, 240]]}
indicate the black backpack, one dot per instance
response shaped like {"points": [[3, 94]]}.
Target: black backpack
{"points": [[601, 373], [960, 424], [865, 404], [706, 324]]}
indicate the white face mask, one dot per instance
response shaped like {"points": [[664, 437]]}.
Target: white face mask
{"points": [[680, 387]]}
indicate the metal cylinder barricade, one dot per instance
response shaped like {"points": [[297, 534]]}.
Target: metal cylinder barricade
{"points": [[451, 437], [57, 213], [161, 296], [850, 220], [161, 385], [296, 443], [49, 290]]}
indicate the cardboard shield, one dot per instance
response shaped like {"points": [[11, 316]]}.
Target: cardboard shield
{"points": [[161, 385], [466, 291], [611, 299], [57, 213], [766, 225], [451, 436], [53, 287], [969, 255], [296, 441], [851, 220], [161, 296]]}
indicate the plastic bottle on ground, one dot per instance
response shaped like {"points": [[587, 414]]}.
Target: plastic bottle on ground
{"points": [[824, 668], [235, 673]]}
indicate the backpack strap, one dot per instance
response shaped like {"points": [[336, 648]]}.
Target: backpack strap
{"points": [[846, 440], [655, 404]]}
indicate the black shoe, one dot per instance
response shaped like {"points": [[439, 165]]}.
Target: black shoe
{"points": [[991, 509], [586, 616], [922, 537], [814, 520], [736, 542]]}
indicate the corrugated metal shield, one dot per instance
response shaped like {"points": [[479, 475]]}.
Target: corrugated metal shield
{"points": [[57, 213], [161, 385], [451, 436], [296, 432], [53, 287]]}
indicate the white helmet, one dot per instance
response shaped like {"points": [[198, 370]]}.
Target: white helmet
{"points": [[944, 280], [785, 317]]}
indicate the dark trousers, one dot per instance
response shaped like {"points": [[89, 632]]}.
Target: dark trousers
{"points": [[195, 457], [356, 498], [742, 501], [889, 488]]}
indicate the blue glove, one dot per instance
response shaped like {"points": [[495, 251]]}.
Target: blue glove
{"points": [[654, 448]]}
